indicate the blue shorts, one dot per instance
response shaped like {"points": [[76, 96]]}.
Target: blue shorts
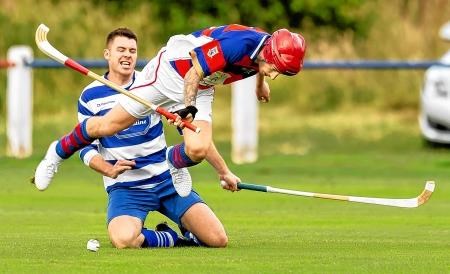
{"points": [[139, 202]]}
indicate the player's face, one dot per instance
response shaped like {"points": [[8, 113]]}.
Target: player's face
{"points": [[268, 70], [121, 55]]}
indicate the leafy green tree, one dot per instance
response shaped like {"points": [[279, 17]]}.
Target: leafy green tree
{"points": [[184, 16]]}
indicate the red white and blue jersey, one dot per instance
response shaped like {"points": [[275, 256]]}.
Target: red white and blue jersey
{"points": [[224, 54], [143, 142]]}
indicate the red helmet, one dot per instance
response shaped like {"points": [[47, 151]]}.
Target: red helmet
{"points": [[285, 50]]}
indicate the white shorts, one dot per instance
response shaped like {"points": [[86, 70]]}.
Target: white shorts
{"points": [[161, 85]]}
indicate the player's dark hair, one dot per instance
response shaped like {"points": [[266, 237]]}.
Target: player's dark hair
{"points": [[126, 32]]}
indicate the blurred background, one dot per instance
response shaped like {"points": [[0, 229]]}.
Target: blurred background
{"points": [[341, 131], [364, 105]]}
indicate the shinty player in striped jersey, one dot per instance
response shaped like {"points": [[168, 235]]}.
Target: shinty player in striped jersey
{"points": [[134, 167]]}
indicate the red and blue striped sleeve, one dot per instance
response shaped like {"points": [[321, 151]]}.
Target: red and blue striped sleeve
{"points": [[228, 46], [210, 57]]}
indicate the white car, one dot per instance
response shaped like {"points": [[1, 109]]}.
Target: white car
{"points": [[434, 118]]}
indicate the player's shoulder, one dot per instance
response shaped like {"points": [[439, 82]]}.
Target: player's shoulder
{"points": [[92, 90], [97, 89], [93, 85]]}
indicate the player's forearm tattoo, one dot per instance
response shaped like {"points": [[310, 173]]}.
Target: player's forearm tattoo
{"points": [[191, 81]]}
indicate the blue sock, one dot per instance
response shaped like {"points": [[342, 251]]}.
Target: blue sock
{"points": [[159, 238]]}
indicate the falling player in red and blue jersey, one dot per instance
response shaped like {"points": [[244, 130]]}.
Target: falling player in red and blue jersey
{"points": [[181, 78]]}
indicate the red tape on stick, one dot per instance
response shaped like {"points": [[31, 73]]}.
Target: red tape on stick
{"points": [[76, 66]]}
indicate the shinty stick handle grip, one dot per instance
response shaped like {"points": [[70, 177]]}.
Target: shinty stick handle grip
{"points": [[252, 187], [172, 116]]}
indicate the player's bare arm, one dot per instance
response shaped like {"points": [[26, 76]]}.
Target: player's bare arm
{"points": [[191, 81], [99, 164], [228, 179]]}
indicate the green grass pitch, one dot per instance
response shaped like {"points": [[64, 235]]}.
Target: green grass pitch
{"points": [[46, 232]]}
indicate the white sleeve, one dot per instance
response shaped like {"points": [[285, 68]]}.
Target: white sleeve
{"points": [[87, 153]]}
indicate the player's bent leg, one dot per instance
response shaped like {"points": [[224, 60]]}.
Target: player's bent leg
{"points": [[180, 156], [125, 232], [204, 224], [181, 178], [197, 144]]}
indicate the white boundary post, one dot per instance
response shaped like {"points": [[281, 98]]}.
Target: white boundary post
{"points": [[244, 121], [19, 102]]}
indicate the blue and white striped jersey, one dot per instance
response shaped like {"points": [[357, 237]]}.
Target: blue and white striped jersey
{"points": [[143, 142]]}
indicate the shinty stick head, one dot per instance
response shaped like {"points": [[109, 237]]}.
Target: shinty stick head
{"points": [[426, 194]]}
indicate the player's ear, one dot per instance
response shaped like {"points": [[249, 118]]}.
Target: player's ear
{"points": [[106, 54]]}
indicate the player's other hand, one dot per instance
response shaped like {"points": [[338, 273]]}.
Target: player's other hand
{"points": [[120, 167], [263, 93], [229, 181]]}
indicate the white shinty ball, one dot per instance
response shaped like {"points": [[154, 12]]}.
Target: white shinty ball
{"points": [[93, 245]]}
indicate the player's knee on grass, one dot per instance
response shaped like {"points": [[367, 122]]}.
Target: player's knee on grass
{"points": [[218, 240], [201, 221], [124, 232], [213, 237], [124, 239]]}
